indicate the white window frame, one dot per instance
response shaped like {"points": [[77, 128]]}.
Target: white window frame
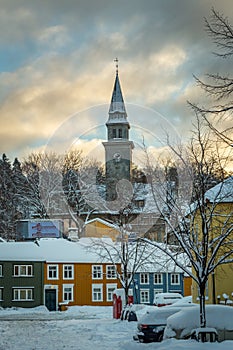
{"points": [[57, 271], [144, 300], [23, 270], [98, 293], [97, 275], [68, 269], [143, 277], [174, 283], [71, 292], [19, 291], [109, 290], [111, 272], [160, 277], [1, 269], [1, 293]]}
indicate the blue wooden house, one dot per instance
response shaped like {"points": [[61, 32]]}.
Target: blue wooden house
{"points": [[157, 273], [147, 283]]}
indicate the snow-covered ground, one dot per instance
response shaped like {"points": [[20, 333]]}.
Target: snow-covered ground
{"points": [[80, 328]]}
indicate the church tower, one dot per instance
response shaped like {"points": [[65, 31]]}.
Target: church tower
{"points": [[118, 148]]}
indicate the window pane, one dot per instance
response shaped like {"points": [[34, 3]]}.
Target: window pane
{"points": [[68, 271], [144, 296], [111, 271], [97, 272], [52, 271]]}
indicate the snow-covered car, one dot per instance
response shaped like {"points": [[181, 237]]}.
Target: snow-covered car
{"points": [[163, 299], [181, 324], [151, 325]]}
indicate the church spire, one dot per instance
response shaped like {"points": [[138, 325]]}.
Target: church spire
{"points": [[117, 106]]}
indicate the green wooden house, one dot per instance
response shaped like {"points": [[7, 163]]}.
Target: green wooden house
{"points": [[21, 275]]}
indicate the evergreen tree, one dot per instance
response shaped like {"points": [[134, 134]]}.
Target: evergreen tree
{"points": [[8, 211]]}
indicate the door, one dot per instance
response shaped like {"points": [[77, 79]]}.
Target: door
{"points": [[51, 299]]}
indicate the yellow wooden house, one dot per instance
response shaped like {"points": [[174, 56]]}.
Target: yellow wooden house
{"points": [[220, 283], [101, 228]]}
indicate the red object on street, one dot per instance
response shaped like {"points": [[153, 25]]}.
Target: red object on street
{"points": [[117, 306]]}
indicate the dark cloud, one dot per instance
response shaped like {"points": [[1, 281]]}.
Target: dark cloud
{"points": [[56, 57]]}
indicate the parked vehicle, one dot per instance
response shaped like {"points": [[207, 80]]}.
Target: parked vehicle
{"points": [[186, 323], [163, 299], [151, 325]]}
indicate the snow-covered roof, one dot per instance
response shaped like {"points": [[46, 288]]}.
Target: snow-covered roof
{"points": [[222, 192], [26, 251], [155, 260], [104, 222], [49, 250]]}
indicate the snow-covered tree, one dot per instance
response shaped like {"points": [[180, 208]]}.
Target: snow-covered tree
{"points": [[199, 228], [44, 174]]}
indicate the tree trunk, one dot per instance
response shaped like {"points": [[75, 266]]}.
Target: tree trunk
{"points": [[202, 306]]}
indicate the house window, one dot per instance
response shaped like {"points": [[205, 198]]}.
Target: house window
{"points": [[1, 271], [97, 272], [68, 292], [110, 290], [23, 270], [158, 278], [52, 272], [97, 292], [144, 278], [22, 294], [144, 296], [175, 278], [114, 133], [1, 294], [120, 133], [111, 272], [68, 272]]}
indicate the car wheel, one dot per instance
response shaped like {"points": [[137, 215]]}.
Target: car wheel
{"points": [[141, 340]]}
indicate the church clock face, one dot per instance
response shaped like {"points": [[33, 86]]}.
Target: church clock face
{"points": [[117, 157]]}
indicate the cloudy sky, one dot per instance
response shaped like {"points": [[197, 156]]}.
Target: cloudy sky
{"points": [[57, 68]]}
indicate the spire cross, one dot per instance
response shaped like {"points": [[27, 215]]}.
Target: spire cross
{"points": [[116, 60]]}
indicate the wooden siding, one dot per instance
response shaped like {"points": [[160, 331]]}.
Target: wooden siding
{"points": [[165, 286], [9, 282], [100, 229], [82, 283]]}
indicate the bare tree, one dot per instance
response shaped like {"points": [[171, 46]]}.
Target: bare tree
{"points": [[131, 255], [200, 228], [218, 87], [44, 174]]}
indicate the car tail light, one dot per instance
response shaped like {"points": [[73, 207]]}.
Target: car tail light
{"points": [[144, 326]]}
